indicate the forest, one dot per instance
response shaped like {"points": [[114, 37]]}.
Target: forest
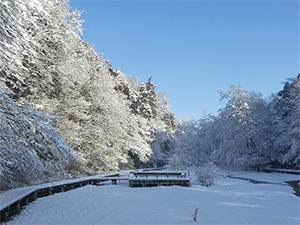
{"points": [[65, 112], [248, 133]]}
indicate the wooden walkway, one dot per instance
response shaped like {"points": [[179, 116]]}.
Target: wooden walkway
{"points": [[12, 201], [159, 178]]}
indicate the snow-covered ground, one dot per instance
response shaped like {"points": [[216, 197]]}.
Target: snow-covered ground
{"points": [[228, 201]]}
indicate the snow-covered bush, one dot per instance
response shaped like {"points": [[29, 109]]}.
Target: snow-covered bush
{"points": [[207, 174]]}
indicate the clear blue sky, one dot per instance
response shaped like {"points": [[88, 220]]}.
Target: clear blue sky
{"points": [[193, 49]]}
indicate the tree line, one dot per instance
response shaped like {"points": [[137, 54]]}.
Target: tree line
{"points": [[250, 132]]}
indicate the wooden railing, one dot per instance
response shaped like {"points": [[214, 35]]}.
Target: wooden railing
{"points": [[142, 178], [157, 174], [12, 201]]}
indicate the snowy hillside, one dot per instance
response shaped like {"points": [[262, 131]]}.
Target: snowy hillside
{"points": [[105, 118], [31, 149], [229, 201]]}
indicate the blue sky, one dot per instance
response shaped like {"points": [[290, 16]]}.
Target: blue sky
{"points": [[193, 49]]}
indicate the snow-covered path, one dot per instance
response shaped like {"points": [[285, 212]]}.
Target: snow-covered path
{"points": [[229, 201]]}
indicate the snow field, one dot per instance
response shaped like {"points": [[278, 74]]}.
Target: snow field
{"points": [[228, 201]]}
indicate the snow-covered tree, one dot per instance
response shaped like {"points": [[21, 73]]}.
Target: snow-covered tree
{"points": [[286, 123], [186, 145], [31, 150], [248, 133], [46, 64], [243, 130]]}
